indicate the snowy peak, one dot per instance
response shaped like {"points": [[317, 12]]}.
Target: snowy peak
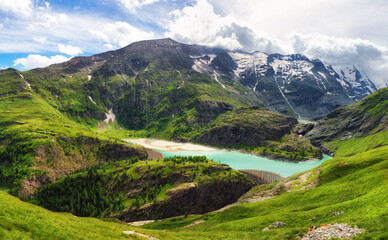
{"points": [[296, 85], [357, 79], [297, 67]]}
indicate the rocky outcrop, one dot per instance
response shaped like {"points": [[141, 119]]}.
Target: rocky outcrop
{"points": [[190, 198], [248, 126], [209, 110], [363, 118], [68, 154]]}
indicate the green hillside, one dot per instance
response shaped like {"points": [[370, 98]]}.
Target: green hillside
{"points": [[57, 151], [355, 185], [39, 144], [20, 220], [132, 190], [356, 128]]}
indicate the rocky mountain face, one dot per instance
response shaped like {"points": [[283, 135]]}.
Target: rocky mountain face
{"points": [[295, 85], [248, 127], [259, 131], [363, 118]]}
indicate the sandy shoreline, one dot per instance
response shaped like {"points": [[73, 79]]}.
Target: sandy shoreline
{"points": [[153, 144], [168, 146]]}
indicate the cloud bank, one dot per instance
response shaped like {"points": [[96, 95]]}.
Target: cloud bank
{"points": [[338, 32], [36, 60], [201, 24]]}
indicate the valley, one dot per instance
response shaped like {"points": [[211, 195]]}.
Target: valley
{"points": [[158, 130]]}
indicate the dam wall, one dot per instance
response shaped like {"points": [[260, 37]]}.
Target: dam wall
{"points": [[262, 177]]}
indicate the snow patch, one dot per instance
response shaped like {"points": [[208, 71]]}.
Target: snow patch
{"points": [[110, 116], [28, 84], [244, 61], [356, 77], [285, 98], [216, 78], [91, 99], [323, 75]]}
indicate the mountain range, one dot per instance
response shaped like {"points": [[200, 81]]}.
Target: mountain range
{"points": [[289, 84], [61, 147]]}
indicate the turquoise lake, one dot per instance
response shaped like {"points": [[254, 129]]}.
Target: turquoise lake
{"points": [[239, 161]]}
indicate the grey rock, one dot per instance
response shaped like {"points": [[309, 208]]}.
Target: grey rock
{"points": [[278, 224], [337, 213]]}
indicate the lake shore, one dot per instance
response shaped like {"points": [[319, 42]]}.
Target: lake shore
{"points": [[168, 146], [153, 144]]}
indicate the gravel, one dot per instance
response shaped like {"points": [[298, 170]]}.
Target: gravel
{"points": [[336, 230]]}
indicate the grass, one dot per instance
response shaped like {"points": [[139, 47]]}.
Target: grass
{"points": [[353, 146], [356, 185], [108, 189], [36, 138], [21, 220], [30, 119]]}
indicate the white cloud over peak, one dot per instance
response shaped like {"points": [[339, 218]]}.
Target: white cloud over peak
{"points": [[119, 34], [20, 7], [279, 26], [199, 24], [132, 5], [69, 50], [36, 60], [344, 51]]}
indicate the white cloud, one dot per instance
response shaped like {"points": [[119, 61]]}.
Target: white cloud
{"points": [[69, 50], [283, 26], [199, 24], [35, 61], [119, 34], [132, 5], [22, 7], [40, 39], [344, 51], [46, 30]]}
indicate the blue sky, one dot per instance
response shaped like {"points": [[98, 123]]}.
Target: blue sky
{"points": [[37, 33]]}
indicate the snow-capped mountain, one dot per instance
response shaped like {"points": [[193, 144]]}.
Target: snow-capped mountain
{"points": [[361, 85], [294, 84], [289, 84]]}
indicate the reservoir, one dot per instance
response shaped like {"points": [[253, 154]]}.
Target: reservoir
{"points": [[234, 159]]}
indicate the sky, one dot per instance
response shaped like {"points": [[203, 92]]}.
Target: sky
{"points": [[37, 33]]}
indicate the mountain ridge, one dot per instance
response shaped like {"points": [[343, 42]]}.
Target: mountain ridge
{"points": [[284, 76]]}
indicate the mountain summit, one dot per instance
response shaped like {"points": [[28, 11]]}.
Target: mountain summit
{"points": [[289, 84]]}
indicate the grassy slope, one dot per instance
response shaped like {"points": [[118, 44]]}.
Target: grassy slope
{"points": [[352, 184], [35, 137], [106, 189], [358, 145], [372, 109], [20, 220]]}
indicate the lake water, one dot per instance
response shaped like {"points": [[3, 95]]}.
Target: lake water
{"points": [[239, 161]]}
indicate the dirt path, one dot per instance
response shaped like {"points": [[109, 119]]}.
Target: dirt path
{"points": [[141, 223], [195, 223], [140, 235]]}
